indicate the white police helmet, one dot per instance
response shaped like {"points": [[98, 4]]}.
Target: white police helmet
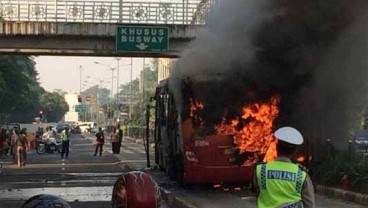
{"points": [[289, 135]]}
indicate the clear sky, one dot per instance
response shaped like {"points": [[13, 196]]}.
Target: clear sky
{"points": [[62, 72]]}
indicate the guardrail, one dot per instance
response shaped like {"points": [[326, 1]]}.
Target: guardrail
{"points": [[139, 133], [106, 11]]}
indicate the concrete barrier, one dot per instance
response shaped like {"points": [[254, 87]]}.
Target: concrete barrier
{"points": [[175, 201], [345, 195]]}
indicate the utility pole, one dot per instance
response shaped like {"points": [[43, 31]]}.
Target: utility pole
{"points": [[130, 88], [147, 134], [117, 87], [112, 83], [80, 79], [98, 102], [143, 71]]}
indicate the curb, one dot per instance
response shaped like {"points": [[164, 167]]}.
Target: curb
{"points": [[139, 141], [166, 195], [358, 198], [175, 201]]}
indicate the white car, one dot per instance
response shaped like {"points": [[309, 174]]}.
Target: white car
{"points": [[85, 128]]}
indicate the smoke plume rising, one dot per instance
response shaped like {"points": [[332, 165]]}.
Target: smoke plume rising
{"points": [[312, 53]]}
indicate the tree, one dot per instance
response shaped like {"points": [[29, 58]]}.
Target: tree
{"points": [[143, 89], [53, 105], [19, 88], [149, 83], [103, 101], [124, 95], [102, 93]]}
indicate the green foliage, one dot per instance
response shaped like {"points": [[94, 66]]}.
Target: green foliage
{"points": [[21, 96], [102, 93], [54, 106], [19, 88], [145, 89], [331, 171]]}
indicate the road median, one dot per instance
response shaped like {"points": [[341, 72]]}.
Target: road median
{"points": [[178, 202], [336, 193]]}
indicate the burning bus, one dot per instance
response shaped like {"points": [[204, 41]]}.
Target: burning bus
{"points": [[255, 66], [202, 139]]}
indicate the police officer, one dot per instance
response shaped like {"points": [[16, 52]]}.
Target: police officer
{"points": [[65, 139], [281, 183]]}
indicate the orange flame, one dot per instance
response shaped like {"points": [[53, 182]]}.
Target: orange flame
{"points": [[194, 108], [256, 136]]}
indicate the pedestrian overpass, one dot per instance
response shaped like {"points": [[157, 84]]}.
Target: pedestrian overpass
{"points": [[89, 27]]}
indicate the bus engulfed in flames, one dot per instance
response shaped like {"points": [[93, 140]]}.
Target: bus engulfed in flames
{"points": [[255, 137], [213, 141]]}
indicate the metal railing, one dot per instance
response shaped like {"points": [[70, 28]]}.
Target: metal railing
{"points": [[106, 11]]}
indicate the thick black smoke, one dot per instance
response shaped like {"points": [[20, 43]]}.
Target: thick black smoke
{"points": [[312, 53]]}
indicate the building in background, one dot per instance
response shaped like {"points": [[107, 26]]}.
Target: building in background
{"points": [[71, 116], [165, 66]]}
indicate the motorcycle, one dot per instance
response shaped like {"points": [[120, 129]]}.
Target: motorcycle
{"points": [[48, 144]]}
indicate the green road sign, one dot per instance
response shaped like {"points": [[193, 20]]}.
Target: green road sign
{"points": [[142, 38], [81, 108]]}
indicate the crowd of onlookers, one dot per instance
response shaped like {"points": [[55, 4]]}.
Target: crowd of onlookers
{"points": [[14, 142]]}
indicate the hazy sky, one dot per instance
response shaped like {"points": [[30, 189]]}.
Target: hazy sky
{"points": [[62, 72]]}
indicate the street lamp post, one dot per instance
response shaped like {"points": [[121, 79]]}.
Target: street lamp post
{"points": [[117, 79], [118, 82], [130, 88], [112, 76], [80, 79], [99, 87]]}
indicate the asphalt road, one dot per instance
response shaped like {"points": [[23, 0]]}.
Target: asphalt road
{"points": [[84, 180]]}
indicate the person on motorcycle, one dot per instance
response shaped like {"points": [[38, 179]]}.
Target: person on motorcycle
{"points": [[50, 132], [65, 141], [49, 136]]}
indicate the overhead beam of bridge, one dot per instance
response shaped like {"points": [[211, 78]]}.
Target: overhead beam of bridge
{"points": [[80, 39]]}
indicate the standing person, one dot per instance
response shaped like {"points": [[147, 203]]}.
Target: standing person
{"points": [[114, 138], [65, 141], [13, 146], [23, 134], [3, 142], [19, 143], [120, 137], [100, 140], [281, 183]]}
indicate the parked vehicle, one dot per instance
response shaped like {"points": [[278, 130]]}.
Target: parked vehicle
{"points": [[84, 128], [361, 139], [87, 127], [60, 127], [108, 129]]}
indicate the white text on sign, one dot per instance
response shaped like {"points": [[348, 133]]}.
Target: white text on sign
{"points": [[137, 35]]}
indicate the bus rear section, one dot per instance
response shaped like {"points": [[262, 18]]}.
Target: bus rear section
{"points": [[211, 160]]}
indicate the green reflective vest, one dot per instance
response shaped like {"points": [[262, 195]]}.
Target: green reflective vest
{"points": [[64, 136], [280, 184]]}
